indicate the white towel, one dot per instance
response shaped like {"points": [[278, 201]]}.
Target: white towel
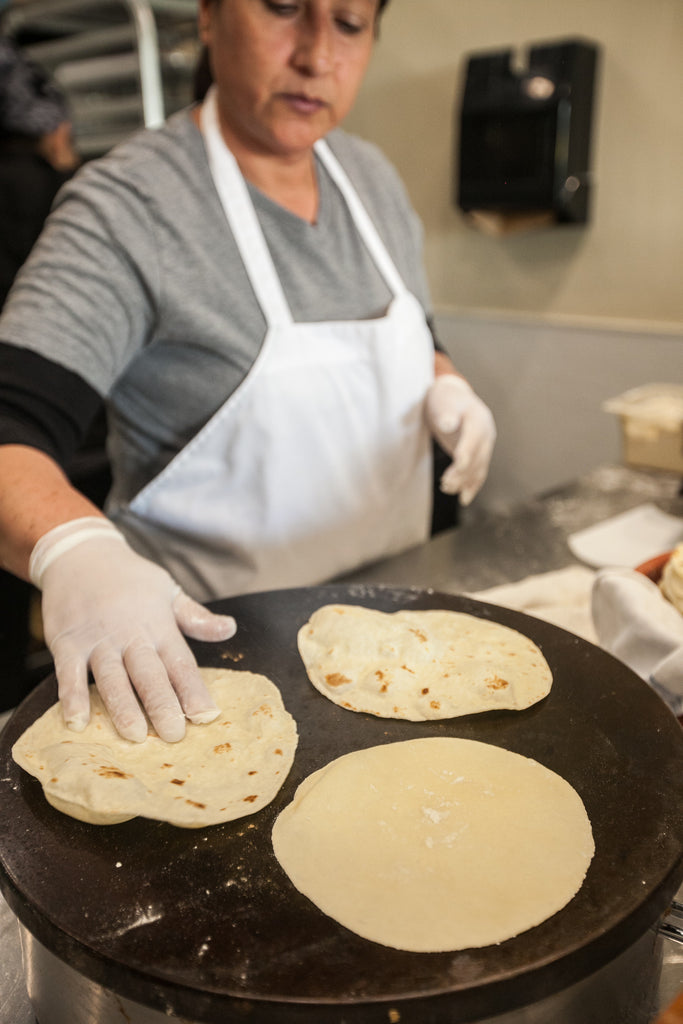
{"points": [[627, 539], [561, 597], [634, 622]]}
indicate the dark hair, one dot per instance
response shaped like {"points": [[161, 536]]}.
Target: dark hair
{"points": [[202, 77]]}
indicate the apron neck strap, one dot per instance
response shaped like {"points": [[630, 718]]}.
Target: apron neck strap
{"points": [[239, 211], [366, 228]]}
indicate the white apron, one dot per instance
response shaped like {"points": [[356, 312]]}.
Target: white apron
{"points": [[320, 460]]}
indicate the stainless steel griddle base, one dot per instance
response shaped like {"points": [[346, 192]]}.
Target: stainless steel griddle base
{"points": [[622, 992]]}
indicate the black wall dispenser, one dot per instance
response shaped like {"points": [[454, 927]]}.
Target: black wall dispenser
{"points": [[525, 131]]}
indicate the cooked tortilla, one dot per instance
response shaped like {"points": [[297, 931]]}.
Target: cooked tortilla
{"points": [[227, 769], [420, 665], [435, 844]]}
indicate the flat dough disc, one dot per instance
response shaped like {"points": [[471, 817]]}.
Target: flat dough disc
{"points": [[435, 844], [218, 772], [420, 665]]}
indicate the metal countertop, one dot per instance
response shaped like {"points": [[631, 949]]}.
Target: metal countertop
{"points": [[489, 548], [503, 546]]}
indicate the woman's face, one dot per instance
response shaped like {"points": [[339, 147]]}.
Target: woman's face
{"points": [[286, 72]]}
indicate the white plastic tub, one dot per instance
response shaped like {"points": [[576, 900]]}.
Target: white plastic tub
{"points": [[652, 425]]}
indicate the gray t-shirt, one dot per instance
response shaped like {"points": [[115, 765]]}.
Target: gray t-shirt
{"points": [[138, 286]]}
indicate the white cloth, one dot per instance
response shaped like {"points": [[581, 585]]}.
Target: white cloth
{"points": [[321, 459], [627, 539], [561, 597], [636, 623]]}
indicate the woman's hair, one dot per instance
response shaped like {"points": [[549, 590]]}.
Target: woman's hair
{"points": [[202, 78]]}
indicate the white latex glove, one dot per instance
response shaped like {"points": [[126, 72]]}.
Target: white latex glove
{"points": [[108, 609], [464, 427]]}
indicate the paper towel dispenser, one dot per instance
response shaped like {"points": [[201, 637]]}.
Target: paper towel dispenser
{"points": [[525, 131]]}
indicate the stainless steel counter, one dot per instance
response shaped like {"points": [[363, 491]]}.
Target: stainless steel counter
{"points": [[488, 549], [491, 548]]}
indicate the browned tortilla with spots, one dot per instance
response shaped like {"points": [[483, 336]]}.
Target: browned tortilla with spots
{"points": [[420, 665], [221, 771]]}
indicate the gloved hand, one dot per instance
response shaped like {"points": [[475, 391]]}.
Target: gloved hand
{"points": [[464, 427], [107, 608]]}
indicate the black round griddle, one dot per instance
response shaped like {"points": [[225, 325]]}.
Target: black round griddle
{"points": [[205, 924]]}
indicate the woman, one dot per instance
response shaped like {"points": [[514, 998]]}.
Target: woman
{"points": [[265, 354]]}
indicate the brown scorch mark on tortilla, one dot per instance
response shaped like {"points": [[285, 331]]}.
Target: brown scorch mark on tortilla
{"points": [[337, 679], [106, 771], [496, 683]]}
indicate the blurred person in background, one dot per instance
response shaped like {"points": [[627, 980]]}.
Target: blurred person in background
{"points": [[37, 155]]}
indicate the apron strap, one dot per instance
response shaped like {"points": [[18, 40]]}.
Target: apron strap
{"points": [[239, 210], [366, 228]]}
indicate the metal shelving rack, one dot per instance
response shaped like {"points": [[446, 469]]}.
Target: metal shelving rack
{"points": [[122, 64]]}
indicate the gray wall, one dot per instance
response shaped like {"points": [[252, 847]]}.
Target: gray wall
{"points": [[545, 383], [546, 323], [627, 262]]}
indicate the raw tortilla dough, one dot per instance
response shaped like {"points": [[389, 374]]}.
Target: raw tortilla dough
{"points": [[420, 665], [227, 769], [435, 844]]}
